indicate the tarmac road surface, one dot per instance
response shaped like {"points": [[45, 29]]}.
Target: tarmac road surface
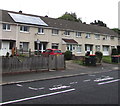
{"points": [[99, 88]]}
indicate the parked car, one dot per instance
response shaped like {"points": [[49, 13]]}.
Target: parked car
{"points": [[52, 52]]}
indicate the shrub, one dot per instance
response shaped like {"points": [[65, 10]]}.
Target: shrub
{"points": [[114, 51], [99, 56], [68, 55]]}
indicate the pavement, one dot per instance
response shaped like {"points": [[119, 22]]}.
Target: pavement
{"points": [[72, 69]]}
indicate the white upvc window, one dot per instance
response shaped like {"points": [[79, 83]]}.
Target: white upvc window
{"points": [[78, 34], [97, 36], [67, 32], [40, 31], [79, 48], [112, 37], [106, 37], [70, 47], [97, 47], [24, 46], [55, 45], [87, 35], [6, 27], [24, 28], [55, 31]]}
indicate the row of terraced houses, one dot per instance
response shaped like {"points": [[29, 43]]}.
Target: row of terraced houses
{"points": [[26, 31]]}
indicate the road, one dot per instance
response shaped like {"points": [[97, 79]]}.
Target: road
{"points": [[100, 88]]}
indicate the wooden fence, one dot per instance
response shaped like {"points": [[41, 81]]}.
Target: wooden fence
{"points": [[35, 63]]}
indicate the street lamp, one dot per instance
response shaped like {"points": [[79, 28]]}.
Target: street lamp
{"points": [[38, 42]]}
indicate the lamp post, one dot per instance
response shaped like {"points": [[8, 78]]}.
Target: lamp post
{"points": [[38, 42]]}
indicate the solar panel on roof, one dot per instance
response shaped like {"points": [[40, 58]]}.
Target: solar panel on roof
{"points": [[27, 19]]}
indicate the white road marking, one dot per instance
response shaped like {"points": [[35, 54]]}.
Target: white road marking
{"points": [[41, 88], [108, 82], [35, 97], [19, 85], [86, 80], [32, 88], [103, 79], [36, 88], [59, 87], [73, 82]]}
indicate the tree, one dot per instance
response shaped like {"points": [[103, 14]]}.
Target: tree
{"points": [[70, 16], [99, 23], [116, 30]]}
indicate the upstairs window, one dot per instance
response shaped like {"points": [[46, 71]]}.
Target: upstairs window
{"points": [[78, 34], [87, 35], [97, 36], [67, 32], [40, 31], [55, 31], [6, 26], [112, 37], [24, 28], [106, 37]]}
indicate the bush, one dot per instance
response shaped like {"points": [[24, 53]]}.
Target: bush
{"points": [[99, 56], [68, 55], [114, 51]]}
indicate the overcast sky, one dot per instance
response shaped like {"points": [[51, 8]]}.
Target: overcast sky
{"points": [[87, 10]]}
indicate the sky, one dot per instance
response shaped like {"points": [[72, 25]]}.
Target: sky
{"points": [[87, 10]]}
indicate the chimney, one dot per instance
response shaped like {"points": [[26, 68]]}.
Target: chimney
{"points": [[46, 16], [20, 11]]}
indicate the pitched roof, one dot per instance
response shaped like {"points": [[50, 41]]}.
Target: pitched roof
{"points": [[70, 41], [63, 24]]}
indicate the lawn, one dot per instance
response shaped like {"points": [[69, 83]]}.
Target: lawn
{"points": [[106, 59]]}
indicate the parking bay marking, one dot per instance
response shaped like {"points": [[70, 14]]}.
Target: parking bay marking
{"points": [[35, 97]]}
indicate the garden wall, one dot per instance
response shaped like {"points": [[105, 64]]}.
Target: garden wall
{"points": [[29, 64]]}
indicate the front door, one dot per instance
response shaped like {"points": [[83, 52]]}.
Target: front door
{"points": [[105, 50], [5, 48], [89, 48]]}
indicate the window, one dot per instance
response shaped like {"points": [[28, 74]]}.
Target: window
{"points": [[87, 35], [6, 26], [55, 31], [67, 32], [112, 37], [97, 36], [42, 46], [97, 47], [24, 46], [55, 45], [78, 34], [79, 48], [105, 37], [105, 48], [24, 28], [40, 30], [11, 45], [71, 47]]}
